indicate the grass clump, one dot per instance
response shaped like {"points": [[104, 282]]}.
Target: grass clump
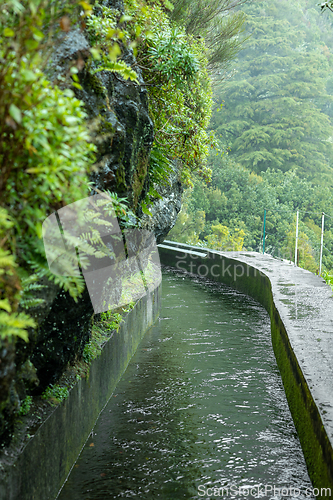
{"points": [[101, 332]]}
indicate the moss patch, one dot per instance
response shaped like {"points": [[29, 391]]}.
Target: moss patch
{"points": [[93, 83], [315, 443], [139, 179]]}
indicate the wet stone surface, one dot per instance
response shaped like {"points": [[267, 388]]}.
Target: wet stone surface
{"points": [[305, 304]]}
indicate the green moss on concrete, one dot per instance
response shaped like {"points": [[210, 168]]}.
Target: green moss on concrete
{"points": [[105, 127], [315, 443]]}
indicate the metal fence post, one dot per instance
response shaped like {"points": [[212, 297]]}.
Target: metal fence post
{"points": [[264, 230], [321, 242], [296, 243]]}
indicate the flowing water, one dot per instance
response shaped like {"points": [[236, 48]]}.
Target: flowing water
{"points": [[200, 411]]}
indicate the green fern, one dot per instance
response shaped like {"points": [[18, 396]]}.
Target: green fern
{"points": [[160, 167], [74, 285], [15, 324], [29, 286], [119, 67]]}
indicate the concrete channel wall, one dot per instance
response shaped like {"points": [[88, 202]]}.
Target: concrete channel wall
{"points": [[300, 305], [40, 469]]}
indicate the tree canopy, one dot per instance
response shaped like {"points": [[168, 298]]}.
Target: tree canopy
{"points": [[273, 119], [277, 107]]}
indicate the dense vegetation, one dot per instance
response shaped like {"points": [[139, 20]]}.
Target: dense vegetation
{"points": [[273, 119], [46, 150], [45, 155], [174, 65], [278, 106], [49, 145]]}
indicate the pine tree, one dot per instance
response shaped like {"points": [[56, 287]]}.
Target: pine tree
{"points": [[276, 109]]}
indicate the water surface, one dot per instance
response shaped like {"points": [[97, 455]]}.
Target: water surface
{"points": [[201, 405]]}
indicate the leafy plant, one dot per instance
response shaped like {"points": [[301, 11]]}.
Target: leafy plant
{"points": [[160, 167], [174, 66], [25, 406], [111, 320], [277, 106], [46, 154], [221, 239], [129, 307], [328, 278], [45, 146], [102, 25], [55, 394], [12, 323], [30, 285], [172, 56]]}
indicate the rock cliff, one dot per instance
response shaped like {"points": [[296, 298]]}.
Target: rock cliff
{"points": [[124, 137]]}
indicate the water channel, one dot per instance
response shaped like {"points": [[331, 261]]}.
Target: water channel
{"points": [[200, 406]]}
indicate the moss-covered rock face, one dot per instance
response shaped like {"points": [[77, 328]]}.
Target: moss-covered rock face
{"points": [[126, 135], [7, 372], [61, 337], [119, 110]]}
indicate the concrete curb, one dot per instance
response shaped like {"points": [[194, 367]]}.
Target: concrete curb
{"points": [[300, 305]]}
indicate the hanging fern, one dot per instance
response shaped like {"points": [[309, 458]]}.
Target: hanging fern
{"points": [[14, 324], [119, 67], [160, 167]]}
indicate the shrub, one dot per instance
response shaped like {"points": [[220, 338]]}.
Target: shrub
{"points": [[174, 66]]}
